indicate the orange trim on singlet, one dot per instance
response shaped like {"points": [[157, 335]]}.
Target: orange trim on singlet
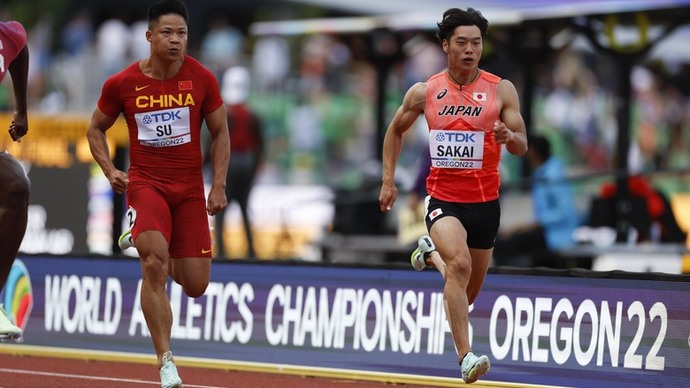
{"points": [[468, 108]]}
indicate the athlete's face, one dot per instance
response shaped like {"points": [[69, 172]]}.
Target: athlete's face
{"points": [[464, 47], [168, 37]]}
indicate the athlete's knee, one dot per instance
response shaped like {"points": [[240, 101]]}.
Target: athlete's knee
{"points": [[16, 192], [193, 275], [195, 289], [154, 270], [460, 268]]}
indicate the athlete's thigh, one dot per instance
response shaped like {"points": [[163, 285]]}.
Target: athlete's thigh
{"points": [[445, 223], [192, 273], [449, 236], [481, 258], [14, 184], [191, 236], [148, 211]]}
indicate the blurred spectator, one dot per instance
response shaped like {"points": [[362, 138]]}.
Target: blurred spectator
{"points": [[576, 108], [307, 143], [323, 61], [221, 45], [40, 38], [676, 155], [246, 152], [139, 47], [312, 65], [271, 61], [673, 150], [555, 213], [77, 35], [662, 225], [338, 57], [112, 45], [425, 59]]}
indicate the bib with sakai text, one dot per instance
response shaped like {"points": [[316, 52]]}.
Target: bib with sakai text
{"points": [[464, 153], [456, 149], [164, 128]]}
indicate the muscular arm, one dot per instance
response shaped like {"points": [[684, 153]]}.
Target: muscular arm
{"points": [[98, 144], [412, 106], [19, 70], [510, 130], [217, 123]]}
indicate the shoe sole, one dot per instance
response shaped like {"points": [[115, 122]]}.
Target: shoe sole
{"points": [[479, 370], [176, 385], [180, 385], [414, 261], [429, 243], [122, 238], [11, 337]]}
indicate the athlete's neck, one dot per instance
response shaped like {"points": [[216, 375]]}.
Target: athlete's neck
{"points": [[464, 79], [157, 69]]}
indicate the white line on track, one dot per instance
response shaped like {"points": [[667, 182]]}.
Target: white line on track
{"points": [[97, 378]]}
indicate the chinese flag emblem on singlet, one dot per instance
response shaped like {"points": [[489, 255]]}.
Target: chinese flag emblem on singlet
{"points": [[184, 85]]}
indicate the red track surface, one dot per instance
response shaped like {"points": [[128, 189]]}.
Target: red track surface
{"points": [[50, 372]]}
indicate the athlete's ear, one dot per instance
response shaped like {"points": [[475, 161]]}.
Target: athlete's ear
{"points": [[444, 45], [149, 34]]}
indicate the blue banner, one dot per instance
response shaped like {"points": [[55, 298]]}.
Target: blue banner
{"points": [[573, 331]]}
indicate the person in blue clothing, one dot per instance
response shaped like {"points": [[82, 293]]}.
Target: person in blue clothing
{"points": [[555, 213]]}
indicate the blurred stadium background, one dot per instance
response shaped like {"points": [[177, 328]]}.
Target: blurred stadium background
{"points": [[599, 79]]}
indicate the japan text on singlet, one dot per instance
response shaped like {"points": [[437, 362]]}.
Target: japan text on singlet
{"points": [[464, 153], [164, 117], [12, 41]]}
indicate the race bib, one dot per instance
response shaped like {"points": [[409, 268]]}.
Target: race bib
{"points": [[164, 128], [456, 149], [130, 217]]}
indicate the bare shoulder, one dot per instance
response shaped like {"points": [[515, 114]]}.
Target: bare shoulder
{"points": [[507, 94], [506, 86], [418, 87], [415, 98]]}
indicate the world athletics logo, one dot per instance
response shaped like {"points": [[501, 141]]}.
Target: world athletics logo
{"points": [[18, 299]]}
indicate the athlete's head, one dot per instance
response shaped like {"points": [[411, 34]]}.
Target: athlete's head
{"points": [[168, 29], [456, 17], [165, 7]]}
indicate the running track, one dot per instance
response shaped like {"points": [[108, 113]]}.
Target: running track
{"points": [[25, 366]]}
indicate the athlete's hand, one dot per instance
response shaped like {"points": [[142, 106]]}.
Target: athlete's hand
{"points": [[501, 133], [387, 197], [119, 181], [217, 200], [19, 126]]}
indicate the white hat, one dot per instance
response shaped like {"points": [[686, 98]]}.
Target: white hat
{"points": [[236, 85]]}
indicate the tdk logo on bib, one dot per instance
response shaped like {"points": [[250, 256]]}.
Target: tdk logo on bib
{"points": [[162, 117], [164, 128], [457, 137], [456, 149]]}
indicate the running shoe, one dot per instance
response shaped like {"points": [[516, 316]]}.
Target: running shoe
{"points": [[424, 248], [169, 376], [125, 241], [8, 331], [473, 367]]}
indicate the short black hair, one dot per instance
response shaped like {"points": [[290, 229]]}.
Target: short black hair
{"points": [[455, 17], [540, 146], [165, 7]]}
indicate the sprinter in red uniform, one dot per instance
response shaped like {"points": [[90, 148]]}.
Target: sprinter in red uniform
{"points": [[14, 184], [471, 114], [164, 99]]}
